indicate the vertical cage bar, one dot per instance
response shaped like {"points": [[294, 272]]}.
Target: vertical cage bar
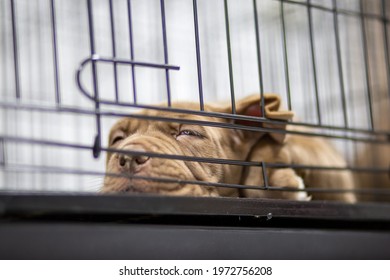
{"points": [[97, 143], [313, 59], [339, 63], [265, 176], [15, 49], [285, 55], [229, 50], [258, 52], [198, 58], [129, 15], [2, 152], [55, 52], [386, 45], [165, 42], [366, 64], [113, 44]]}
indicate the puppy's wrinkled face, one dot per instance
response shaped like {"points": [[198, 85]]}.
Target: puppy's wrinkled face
{"points": [[174, 139]]}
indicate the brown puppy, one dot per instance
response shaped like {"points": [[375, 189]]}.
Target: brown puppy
{"points": [[213, 142]]}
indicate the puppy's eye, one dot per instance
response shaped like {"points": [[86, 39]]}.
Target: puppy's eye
{"points": [[190, 133], [117, 140]]}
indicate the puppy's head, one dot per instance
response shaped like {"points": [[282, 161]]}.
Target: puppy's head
{"points": [[140, 136]]}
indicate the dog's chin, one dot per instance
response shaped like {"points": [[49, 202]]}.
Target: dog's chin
{"points": [[139, 186], [144, 186]]}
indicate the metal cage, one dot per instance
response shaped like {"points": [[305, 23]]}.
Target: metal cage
{"points": [[70, 69]]}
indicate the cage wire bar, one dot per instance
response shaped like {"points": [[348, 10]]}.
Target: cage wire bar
{"points": [[386, 44], [258, 54], [55, 51], [339, 64], [114, 51], [312, 49], [229, 51], [15, 49], [198, 59], [97, 143], [285, 56], [366, 65], [346, 132], [129, 15]]}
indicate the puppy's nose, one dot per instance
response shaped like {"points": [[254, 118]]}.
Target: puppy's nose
{"points": [[132, 163]]}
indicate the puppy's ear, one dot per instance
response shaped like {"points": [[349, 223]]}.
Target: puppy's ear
{"points": [[252, 106]]}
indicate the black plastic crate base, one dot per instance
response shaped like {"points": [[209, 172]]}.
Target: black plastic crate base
{"points": [[76, 226]]}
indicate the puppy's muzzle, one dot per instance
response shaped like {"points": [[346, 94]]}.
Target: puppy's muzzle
{"points": [[132, 163]]}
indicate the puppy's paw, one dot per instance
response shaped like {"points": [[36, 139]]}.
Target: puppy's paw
{"points": [[302, 196], [286, 177]]}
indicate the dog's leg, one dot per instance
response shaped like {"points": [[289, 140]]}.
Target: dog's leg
{"points": [[283, 177]]}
